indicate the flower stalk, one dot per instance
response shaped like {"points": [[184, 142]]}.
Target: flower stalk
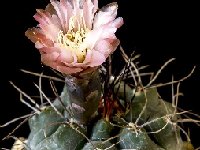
{"points": [[81, 95]]}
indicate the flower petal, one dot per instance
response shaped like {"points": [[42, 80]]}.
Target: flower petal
{"points": [[35, 35], [49, 50], [88, 56], [59, 12], [68, 70], [68, 11], [65, 56], [97, 59], [49, 24], [117, 23], [106, 47], [107, 14], [110, 29], [49, 8], [70, 17], [88, 13], [92, 37], [76, 6], [49, 59], [106, 31], [95, 5]]}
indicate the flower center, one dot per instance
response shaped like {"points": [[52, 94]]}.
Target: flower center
{"points": [[74, 37]]}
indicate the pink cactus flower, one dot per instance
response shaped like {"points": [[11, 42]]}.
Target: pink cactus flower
{"points": [[73, 35]]}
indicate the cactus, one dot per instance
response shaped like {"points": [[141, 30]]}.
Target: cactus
{"points": [[96, 109], [59, 126]]}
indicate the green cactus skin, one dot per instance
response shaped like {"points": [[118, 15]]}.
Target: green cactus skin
{"points": [[168, 137], [100, 135], [82, 95], [99, 145], [43, 125], [129, 139], [151, 100], [169, 134], [129, 92], [49, 132], [65, 138], [101, 130]]}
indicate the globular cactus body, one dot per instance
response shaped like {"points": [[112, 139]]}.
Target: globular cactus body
{"points": [[49, 131], [137, 128]]}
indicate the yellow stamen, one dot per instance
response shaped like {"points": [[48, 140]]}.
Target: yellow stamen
{"points": [[74, 38]]}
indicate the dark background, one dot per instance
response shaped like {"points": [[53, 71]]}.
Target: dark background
{"points": [[157, 31]]}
